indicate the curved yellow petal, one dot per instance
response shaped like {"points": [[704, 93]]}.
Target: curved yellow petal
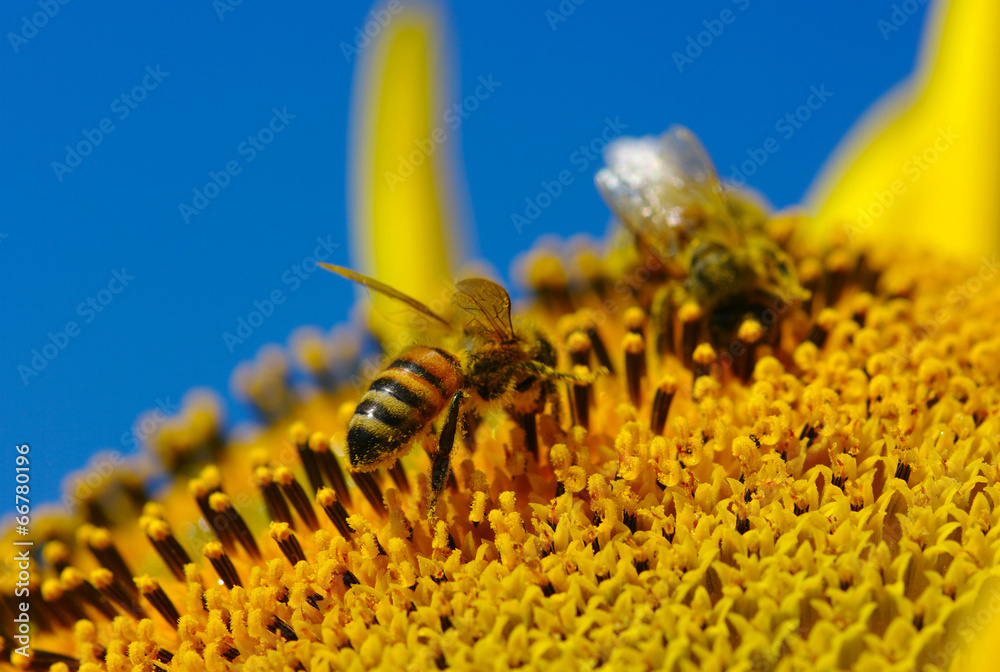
{"points": [[924, 163], [975, 642], [398, 214]]}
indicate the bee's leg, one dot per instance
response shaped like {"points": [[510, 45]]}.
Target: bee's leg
{"points": [[441, 466], [522, 409], [579, 389], [546, 371], [525, 413]]}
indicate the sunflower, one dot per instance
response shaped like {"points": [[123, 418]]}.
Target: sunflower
{"points": [[814, 488]]}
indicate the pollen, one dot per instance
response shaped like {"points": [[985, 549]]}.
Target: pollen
{"points": [[842, 490]]}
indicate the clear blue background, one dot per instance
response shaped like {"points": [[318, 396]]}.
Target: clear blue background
{"points": [[119, 209]]}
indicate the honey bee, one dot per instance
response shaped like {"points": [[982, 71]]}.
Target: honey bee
{"points": [[502, 365], [667, 193]]}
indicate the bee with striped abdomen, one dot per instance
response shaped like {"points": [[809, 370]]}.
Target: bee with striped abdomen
{"points": [[501, 365], [407, 395]]}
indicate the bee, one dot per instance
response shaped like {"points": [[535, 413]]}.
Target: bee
{"points": [[667, 193], [502, 365]]}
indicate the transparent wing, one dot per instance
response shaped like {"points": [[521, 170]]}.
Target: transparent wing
{"points": [[688, 162], [694, 182], [663, 189], [628, 184], [382, 288], [483, 309]]}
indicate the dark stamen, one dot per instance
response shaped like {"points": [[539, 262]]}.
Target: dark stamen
{"points": [[76, 583], [292, 489], [335, 511], [301, 438], [661, 406], [202, 491], [222, 564], [157, 597], [528, 424], [749, 336], [690, 318], [278, 625], [903, 471], [277, 507], [57, 554], [103, 548], [579, 348], [328, 465], [166, 545], [600, 351], [635, 366], [288, 542], [109, 587], [63, 608], [224, 509], [581, 393], [370, 489], [398, 475]]}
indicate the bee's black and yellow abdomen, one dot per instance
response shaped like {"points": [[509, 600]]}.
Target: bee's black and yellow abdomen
{"points": [[410, 393]]}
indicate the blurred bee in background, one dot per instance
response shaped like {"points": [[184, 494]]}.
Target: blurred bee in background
{"points": [[500, 365], [711, 237]]}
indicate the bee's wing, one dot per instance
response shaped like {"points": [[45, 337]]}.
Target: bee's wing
{"points": [[382, 288], [662, 187], [687, 161], [693, 178], [629, 183], [484, 309]]}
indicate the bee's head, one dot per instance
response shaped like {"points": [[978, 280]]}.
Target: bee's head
{"points": [[775, 270]]}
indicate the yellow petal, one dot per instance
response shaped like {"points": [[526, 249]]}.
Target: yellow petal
{"points": [[925, 162], [399, 216], [978, 633]]}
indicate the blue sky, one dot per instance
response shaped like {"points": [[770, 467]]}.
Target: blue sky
{"points": [[125, 296]]}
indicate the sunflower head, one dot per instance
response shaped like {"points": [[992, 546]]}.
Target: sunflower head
{"points": [[729, 443]]}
